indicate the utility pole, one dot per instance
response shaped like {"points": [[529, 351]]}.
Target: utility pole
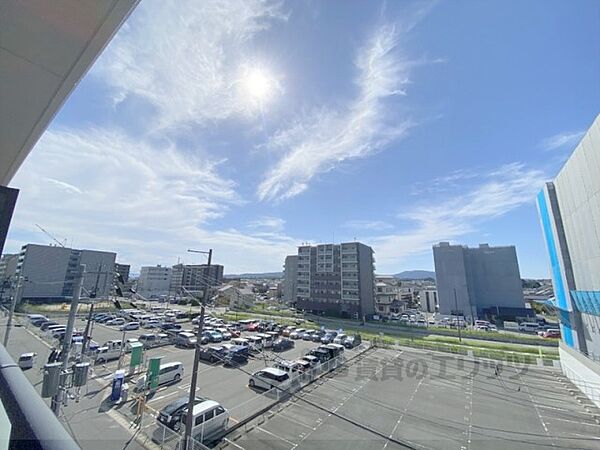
{"points": [[11, 312], [190, 409], [457, 317], [66, 346], [86, 334]]}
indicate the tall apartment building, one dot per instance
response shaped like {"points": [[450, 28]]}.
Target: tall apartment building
{"points": [[50, 272], [154, 281], [569, 210], [290, 277], [479, 282], [194, 277], [336, 279]]}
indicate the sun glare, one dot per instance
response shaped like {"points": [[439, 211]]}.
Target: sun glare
{"points": [[258, 86]]}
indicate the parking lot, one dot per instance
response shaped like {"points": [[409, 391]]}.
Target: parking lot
{"points": [[414, 399], [383, 399]]}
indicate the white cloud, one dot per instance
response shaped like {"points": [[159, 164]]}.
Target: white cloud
{"points": [[326, 137], [368, 225], [495, 194], [560, 140], [268, 222], [186, 57], [149, 203], [66, 186]]}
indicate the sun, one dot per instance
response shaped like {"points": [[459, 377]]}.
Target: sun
{"points": [[257, 87], [258, 84]]}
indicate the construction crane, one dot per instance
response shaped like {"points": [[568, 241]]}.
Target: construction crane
{"points": [[50, 236]]}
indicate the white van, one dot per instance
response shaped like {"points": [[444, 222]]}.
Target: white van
{"points": [[269, 378], [241, 341], [267, 339], [210, 419], [168, 373], [256, 343], [528, 327]]}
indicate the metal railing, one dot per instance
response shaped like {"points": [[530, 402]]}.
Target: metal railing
{"points": [[33, 425]]}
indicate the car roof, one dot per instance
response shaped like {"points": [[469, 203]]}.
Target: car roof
{"points": [[27, 355], [174, 363], [205, 406], [274, 371]]}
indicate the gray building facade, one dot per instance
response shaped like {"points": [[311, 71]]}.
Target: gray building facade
{"points": [[478, 282], [290, 279], [194, 277], [336, 279], [50, 272], [569, 210]]}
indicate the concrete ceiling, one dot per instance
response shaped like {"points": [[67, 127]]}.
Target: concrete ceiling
{"points": [[46, 47]]}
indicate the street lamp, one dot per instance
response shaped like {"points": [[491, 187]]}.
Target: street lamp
{"points": [[189, 418]]}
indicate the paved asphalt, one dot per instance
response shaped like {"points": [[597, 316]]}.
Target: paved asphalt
{"points": [[389, 397]]}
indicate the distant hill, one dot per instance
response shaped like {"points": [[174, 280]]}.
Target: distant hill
{"points": [[415, 275], [256, 275]]}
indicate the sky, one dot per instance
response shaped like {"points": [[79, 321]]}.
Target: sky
{"points": [[251, 127]]}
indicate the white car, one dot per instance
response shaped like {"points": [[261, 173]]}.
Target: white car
{"points": [[26, 360], [168, 373], [210, 419], [340, 338], [115, 322], [297, 333], [268, 378]]}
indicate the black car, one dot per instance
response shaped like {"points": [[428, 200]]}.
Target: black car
{"points": [[39, 322], [282, 344], [212, 354], [170, 326], [317, 335], [236, 356], [328, 337], [323, 355], [353, 341], [170, 415]]}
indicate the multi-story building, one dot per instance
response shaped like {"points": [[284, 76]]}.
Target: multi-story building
{"points": [[428, 300], [479, 282], [154, 281], [49, 272], [290, 279], [8, 268], [336, 279], [194, 277], [569, 209], [123, 270], [387, 295]]}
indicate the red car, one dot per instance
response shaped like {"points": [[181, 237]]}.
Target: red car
{"points": [[551, 333], [253, 326]]}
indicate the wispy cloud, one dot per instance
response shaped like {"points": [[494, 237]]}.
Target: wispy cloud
{"points": [[65, 186], [560, 140], [368, 225], [186, 57], [326, 137], [148, 205], [268, 222], [496, 193]]}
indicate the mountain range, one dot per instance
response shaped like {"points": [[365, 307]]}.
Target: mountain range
{"points": [[406, 275]]}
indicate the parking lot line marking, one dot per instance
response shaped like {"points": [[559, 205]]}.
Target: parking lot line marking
{"points": [[230, 442], [287, 441], [162, 396]]}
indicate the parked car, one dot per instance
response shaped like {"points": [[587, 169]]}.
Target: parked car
{"points": [[185, 339], [312, 360], [340, 338], [225, 333], [170, 416], [130, 326], [151, 324], [353, 341], [236, 356], [282, 344], [551, 333], [213, 335], [58, 332], [170, 372], [328, 337], [287, 331], [213, 353], [269, 378], [169, 326], [115, 322], [37, 322], [321, 354], [26, 360], [317, 335], [253, 326], [45, 325], [528, 327], [105, 354], [291, 367], [307, 335], [297, 333], [106, 318], [210, 419]]}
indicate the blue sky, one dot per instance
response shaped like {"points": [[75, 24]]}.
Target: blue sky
{"points": [[252, 126]]}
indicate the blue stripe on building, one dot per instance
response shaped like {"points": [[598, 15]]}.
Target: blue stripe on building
{"points": [[559, 290]]}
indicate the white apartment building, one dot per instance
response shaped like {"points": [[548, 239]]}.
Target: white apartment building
{"points": [[154, 281]]}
